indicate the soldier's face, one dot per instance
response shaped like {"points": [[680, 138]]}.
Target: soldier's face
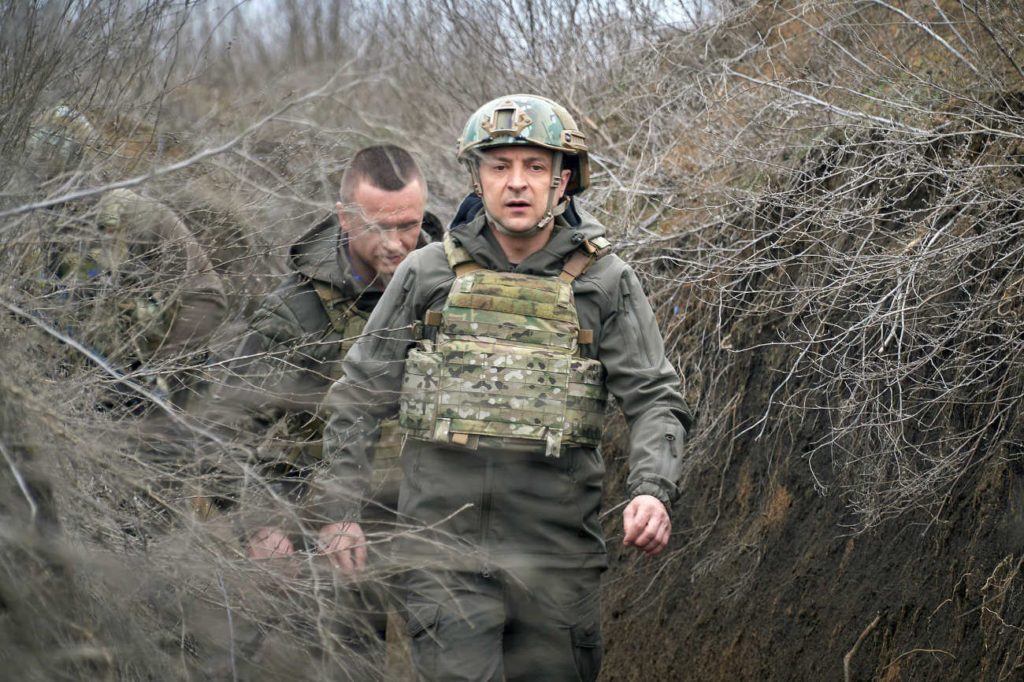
{"points": [[382, 227], [515, 183]]}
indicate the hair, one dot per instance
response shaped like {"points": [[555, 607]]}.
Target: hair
{"points": [[385, 166]]}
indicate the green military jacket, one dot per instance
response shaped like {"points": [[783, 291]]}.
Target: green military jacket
{"points": [[489, 504], [292, 351]]}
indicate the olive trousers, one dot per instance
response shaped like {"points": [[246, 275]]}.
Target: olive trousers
{"points": [[535, 624]]}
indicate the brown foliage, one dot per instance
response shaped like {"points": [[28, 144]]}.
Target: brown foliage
{"points": [[825, 201]]}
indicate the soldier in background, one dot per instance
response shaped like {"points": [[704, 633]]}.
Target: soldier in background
{"points": [[299, 335], [122, 273], [293, 350]]}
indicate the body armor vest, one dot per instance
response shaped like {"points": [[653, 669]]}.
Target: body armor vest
{"points": [[346, 318], [505, 368]]}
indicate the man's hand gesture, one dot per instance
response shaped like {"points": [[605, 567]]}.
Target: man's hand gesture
{"points": [[647, 525]]}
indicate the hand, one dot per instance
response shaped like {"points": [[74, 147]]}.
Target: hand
{"points": [[270, 543], [647, 525], [345, 545]]}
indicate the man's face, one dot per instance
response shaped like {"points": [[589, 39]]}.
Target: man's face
{"points": [[515, 183], [382, 227]]}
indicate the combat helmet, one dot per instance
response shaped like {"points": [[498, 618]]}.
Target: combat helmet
{"points": [[58, 140], [528, 120]]}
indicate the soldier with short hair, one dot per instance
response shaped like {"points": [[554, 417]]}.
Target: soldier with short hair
{"points": [[498, 349], [288, 358], [296, 339]]}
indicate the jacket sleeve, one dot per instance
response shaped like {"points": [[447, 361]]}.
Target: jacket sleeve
{"points": [[179, 265], [368, 391], [202, 303], [646, 386], [279, 365]]}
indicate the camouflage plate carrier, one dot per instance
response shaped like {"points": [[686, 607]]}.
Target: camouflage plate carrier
{"points": [[349, 321], [505, 368]]}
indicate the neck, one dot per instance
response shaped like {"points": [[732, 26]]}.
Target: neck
{"points": [[519, 248]]}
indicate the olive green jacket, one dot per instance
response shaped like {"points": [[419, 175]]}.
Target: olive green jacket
{"points": [[514, 507], [292, 351]]}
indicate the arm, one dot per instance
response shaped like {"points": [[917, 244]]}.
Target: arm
{"points": [[647, 388], [177, 264], [280, 369], [368, 391], [202, 305], [287, 357]]}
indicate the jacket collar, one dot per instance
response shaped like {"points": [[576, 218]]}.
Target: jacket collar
{"points": [[571, 228]]}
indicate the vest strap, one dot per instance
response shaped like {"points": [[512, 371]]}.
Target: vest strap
{"points": [[577, 264]]}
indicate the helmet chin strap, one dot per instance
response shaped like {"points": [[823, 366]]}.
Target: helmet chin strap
{"points": [[550, 213]]}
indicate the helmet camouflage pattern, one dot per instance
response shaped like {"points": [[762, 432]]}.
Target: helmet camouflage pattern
{"points": [[58, 140], [527, 120]]}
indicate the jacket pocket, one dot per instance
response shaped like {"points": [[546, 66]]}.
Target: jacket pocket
{"points": [[422, 618], [632, 323]]}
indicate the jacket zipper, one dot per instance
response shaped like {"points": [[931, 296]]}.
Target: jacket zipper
{"points": [[633, 324]]}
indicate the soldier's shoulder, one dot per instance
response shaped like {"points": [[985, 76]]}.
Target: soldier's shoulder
{"points": [[607, 264], [428, 258], [124, 204], [292, 308]]}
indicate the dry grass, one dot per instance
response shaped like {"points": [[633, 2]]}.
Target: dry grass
{"points": [[824, 198]]}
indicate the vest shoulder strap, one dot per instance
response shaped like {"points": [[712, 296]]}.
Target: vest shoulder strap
{"points": [[583, 257], [458, 257]]}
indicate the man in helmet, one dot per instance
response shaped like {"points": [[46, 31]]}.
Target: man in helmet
{"points": [[498, 349], [120, 270]]}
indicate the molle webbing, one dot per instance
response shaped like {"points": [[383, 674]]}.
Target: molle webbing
{"points": [[346, 318], [506, 366]]}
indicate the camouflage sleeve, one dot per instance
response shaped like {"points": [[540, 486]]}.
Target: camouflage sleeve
{"points": [[368, 391], [178, 274], [647, 388]]}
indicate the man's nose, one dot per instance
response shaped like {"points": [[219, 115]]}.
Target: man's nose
{"points": [[517, 177], [392, 240]]}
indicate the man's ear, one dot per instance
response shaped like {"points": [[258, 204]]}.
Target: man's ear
{"points": [[566, 174], [342, 218]]}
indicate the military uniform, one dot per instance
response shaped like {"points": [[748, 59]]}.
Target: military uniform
{"points": [[509, 519], [128, 279], [283, 366], [291, 354]]}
